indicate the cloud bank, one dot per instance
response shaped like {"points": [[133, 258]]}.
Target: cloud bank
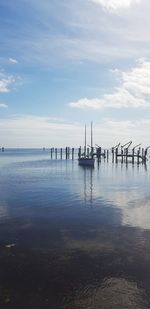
{"points": [[34, 131], [133, 92]]}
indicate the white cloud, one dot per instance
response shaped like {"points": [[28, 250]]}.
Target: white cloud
{"points": [[134, 91], [114, 5], [89, 35], [5, 82], [12, 60], [86, 34], [3, 105]]}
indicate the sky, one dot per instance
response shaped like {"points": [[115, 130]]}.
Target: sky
{"points": [[66, 63]]}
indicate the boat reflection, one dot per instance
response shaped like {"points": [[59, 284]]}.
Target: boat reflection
{"points": [[87, 184]]}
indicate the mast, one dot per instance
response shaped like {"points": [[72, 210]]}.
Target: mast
{"points": [[85, 143], [91, 136]]}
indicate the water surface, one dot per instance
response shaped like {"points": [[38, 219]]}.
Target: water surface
{"points": [[73, 237]]}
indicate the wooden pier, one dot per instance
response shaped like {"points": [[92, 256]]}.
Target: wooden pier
{"points": [[122, 153], [136, 154]]}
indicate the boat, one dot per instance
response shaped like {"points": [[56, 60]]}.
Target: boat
{"points": [[87, 159]]}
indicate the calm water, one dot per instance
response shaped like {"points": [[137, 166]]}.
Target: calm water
{"points": [[73, 237]]}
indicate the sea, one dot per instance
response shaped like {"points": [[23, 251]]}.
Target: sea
{"points": [[73, 237]]}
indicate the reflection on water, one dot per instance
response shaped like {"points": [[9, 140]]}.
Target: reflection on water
{"points": [[87, 183], [71, 236]]}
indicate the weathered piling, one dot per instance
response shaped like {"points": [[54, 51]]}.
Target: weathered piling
{"points": [[66, 153], [126, 155], [61, 151], [98, 153], [116, 155], [72, 153], [122, 157], [113, 155], [107, 155], [56, 153], [138, 156], [104, 153], [51, 153], [122, 153], [133, 155]]}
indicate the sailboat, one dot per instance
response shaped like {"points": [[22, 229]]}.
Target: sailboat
{"points": [[87, 159]]}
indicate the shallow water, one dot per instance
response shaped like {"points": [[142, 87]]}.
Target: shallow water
{"points": [[73, 237]]}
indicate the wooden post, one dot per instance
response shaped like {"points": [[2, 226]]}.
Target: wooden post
{"points": [[138, 156], [99, 151], [104, 153], [51, 153], [72, 153], [121, 155], [113, 155], [145, 154], [68, 152], [133, 156], [126, 150], [55, 153], [61, 153], [107, 155], [116, 153]]}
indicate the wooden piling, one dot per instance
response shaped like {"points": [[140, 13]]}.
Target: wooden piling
{"points": [[56, 153], [72, 153], [51, 153], [138, 156], [126, 152], [61, 153], [113, 155], [66, 153], [104, 154], [107, 155], [143, 152], [116, 155], [121, 155], [99, 152], [133, 156]]}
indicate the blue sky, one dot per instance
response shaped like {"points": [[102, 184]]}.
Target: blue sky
{"points": [[65, 63]]}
